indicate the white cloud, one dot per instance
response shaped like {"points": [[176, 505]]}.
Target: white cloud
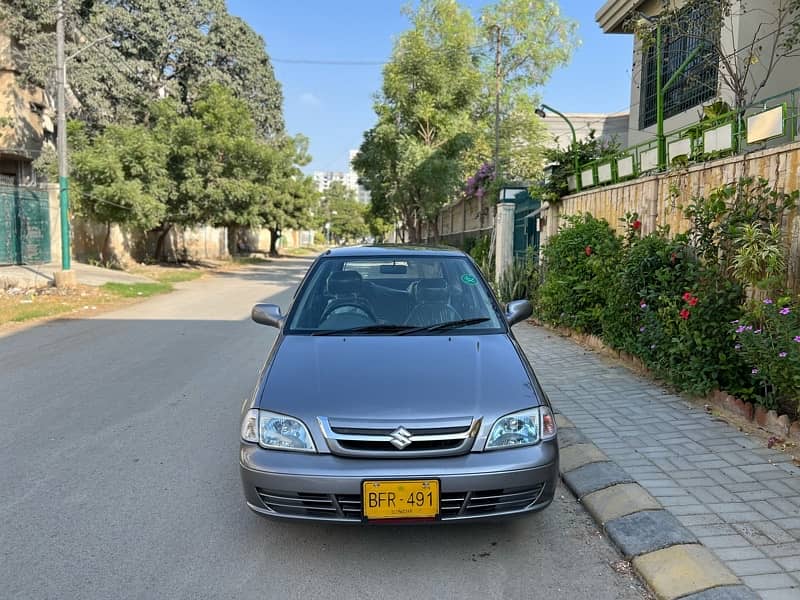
{"points": [[309, 99]]}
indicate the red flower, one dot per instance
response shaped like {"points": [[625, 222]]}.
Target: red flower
{"points": [[637, 225], [673, 257], [687, 297], [588, 250], [685, 314], [692, 301]]}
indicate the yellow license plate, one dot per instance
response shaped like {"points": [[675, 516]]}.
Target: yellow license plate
{"points": [[401, 499]]}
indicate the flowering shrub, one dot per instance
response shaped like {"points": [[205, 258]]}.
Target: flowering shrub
{"points": [[578, 261], [768, 339], [668, 308], [671, 302], [480, 184]]}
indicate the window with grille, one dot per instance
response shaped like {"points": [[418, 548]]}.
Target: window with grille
{"points": [[697, 25]]}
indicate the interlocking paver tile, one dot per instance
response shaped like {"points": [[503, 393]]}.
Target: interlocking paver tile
{"points": [[738, 497]]}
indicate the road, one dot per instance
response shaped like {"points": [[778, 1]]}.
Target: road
{"points": [[119, 476]]}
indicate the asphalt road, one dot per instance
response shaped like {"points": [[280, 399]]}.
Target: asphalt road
{"points": [[119, 476]]}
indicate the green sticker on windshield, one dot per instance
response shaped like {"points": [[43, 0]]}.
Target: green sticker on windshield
{"points": [[469, 279]]}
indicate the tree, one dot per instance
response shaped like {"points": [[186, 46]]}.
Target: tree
{"points": [[218, 165], [128, 54], [288, 197], [120, 177], [346, 213], [411, 160], [525, 40]]}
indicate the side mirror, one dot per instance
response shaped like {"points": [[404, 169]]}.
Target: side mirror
{"points": [[517, 311], [267, 314]]}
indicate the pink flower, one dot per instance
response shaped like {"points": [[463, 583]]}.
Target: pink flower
{"points": [[785, 310], [684, 314], [767, 301], [782, 354]]}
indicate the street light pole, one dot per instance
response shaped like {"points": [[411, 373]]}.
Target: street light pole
{"points": [[575, 158], [61, 140]]}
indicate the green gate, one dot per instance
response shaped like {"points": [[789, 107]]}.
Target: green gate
{"points": [[525, 212], [24, 226]]}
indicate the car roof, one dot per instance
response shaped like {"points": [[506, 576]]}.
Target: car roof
{"points": [[392, 250]]}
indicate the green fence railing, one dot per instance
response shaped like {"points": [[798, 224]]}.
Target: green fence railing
{"points": [[767, 123]]}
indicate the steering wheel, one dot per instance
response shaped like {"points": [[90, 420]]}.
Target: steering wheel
{"points": [[337, 304]]}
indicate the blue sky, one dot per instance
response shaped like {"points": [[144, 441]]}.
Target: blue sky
{"points": [[332, 104]]}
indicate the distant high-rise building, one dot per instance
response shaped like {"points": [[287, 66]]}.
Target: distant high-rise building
{"points": [[324, 179]]}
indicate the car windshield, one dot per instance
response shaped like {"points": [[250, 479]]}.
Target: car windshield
{"points": [[400, 295]]}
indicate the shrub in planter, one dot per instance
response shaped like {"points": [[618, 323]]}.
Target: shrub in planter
{"points": [[768, 339], [521, 281], [480, 251], [578, 263]]}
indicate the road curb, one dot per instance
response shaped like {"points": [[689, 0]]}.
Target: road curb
{"points": [[666, 555]]}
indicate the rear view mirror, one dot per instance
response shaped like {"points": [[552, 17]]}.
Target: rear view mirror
{"points": [[267, 314], [394, 269], [517, 311]]}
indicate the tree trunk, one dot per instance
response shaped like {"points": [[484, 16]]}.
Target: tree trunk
{"points": [[105, 253], [159, 253], [273, 241]]}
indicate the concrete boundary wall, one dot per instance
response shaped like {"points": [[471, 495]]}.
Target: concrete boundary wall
{"points": [[657, 198]]}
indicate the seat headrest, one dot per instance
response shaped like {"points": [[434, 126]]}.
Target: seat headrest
{"points": [[433, 290], [344, 282]]}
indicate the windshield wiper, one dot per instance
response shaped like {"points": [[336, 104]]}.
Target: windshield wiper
{"points": [[376, 328], [446, 326]]}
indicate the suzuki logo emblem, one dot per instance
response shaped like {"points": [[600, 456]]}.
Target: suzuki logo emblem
{"points": [[401, 438]]}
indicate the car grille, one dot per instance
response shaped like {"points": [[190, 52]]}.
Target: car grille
{"points": [[347, 507], [418, 439]]}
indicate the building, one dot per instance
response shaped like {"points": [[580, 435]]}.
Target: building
{"points": [[26, 123], [612, 126], [717, 48], [324, 179]]}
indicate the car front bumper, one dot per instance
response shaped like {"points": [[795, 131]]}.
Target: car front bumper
{"points": [[325, 487]]}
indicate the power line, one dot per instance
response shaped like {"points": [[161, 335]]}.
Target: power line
{"points": [[343, 63]]}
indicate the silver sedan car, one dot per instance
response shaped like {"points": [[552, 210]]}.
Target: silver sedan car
{"points": [[395, 392]]}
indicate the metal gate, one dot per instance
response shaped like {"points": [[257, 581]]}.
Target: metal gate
{"points": [[24, 226]]}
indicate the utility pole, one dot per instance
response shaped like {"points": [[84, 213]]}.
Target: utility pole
{"points": [[497, 89], [66, 277], [498, 83]]}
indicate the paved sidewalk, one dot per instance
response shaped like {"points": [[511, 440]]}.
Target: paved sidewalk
{"points": [[42, 275], [741, 499]]}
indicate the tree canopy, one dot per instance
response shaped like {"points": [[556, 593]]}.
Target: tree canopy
{"points": [[127, 54], [438, 117]]}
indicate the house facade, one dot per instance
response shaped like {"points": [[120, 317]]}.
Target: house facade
{"points": [[738, 45], [608, 126], [26, 123]]}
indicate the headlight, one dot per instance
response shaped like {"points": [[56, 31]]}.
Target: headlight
{"points": [[276, 432], [523, 428]]}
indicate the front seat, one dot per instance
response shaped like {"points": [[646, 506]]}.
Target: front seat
{"points": [[432, 304], [346, 287]]}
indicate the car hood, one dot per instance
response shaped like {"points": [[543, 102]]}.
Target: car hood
{"points": [[395, 377]]}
